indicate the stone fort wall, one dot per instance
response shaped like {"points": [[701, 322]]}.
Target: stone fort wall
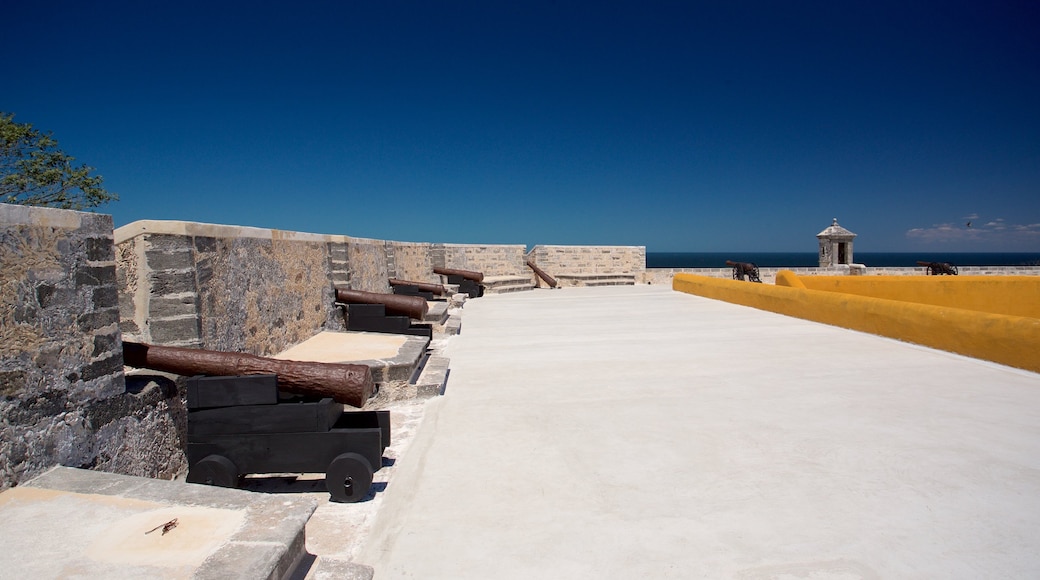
{"points": [[63, 396]]}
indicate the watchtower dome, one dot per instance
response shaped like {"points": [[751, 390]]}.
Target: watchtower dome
{"points": [[835, 245]]}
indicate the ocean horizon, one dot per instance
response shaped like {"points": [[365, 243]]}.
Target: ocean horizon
{"points": [[811, 259]]}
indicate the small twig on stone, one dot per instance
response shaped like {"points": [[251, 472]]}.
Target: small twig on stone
{"points": [[165, 527]]}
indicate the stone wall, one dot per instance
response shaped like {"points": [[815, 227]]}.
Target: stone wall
{"points": [[366, 261], [492, 260], [262, 291], [562, 260], [229, 288], [63, 396], [411, 261]]}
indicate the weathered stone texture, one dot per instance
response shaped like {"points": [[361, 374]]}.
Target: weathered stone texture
{"points": [[262, 296], [492, 260], [558, 260], [61, 363], [413, 262], [128, 268], [368, 268]]}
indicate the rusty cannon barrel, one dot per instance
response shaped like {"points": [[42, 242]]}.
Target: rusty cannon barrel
{"points": [[349, 384], [939, 268], [542, 274], [477, 277], [435, 289], [396, 304]]}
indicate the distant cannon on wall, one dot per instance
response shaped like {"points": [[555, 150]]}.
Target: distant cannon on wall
{"points": [[542, 274], [377, 312], [742, 269], [468, 281], [939, 268], [433, 289]]}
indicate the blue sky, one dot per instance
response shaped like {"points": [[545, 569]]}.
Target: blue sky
{"points": [[681, 126]]}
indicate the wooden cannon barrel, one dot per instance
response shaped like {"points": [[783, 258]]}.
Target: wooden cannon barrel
{"points": [[396, 304], [349, 384], [467, 274], [542, 274], [435, 289]]}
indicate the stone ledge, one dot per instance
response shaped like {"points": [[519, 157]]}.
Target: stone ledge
{"points": [[268, 544], [596, 279]]}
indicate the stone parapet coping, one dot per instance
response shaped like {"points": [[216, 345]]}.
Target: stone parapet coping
{"points": [[183, 228]]}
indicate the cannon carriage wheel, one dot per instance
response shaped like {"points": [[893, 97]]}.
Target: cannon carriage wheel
{"points": [[349, 477], [214, 470]]}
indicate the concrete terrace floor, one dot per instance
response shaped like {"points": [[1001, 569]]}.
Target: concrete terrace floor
{"points": [[631, 432]]}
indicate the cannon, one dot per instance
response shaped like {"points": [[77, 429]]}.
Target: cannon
{"points": [[345, 383], [391, 313], [467, 280], [395, 304], [542, 274], [939, 268], [467, 274], [742, 269], [240, 425], [433, 289]]}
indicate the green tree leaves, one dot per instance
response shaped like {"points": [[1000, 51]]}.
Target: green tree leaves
{"points": [[34, 171]]}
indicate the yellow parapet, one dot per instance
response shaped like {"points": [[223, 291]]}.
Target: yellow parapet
{"points": [[1004, 338], [1012, 295]]}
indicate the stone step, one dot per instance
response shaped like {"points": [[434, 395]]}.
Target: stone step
{"points": [[596, 279], [503, 284]]}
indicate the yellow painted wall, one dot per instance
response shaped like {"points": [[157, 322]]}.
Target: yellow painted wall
{"points": [[1012, 295], [1002, 338]]}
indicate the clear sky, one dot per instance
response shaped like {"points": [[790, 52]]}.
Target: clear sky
{"points": [[678, 125]]}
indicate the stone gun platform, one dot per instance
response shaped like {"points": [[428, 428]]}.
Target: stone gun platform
{"points": [[397, 360]]}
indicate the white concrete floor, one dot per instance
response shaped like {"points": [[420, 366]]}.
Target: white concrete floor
{"points": [[637, 432]]}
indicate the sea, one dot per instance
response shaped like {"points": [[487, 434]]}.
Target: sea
{"points": [[811, 259]]}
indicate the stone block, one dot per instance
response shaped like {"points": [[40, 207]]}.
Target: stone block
{"points": [[100, 249], [205, 244], [104, 343], [171, 307], [96, 276], [168, 242], [111, 365], [174, 330], [92, 321], [167, 260], [164, 283], [105, 297]]}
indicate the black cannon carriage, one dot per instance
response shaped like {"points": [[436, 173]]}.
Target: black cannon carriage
{"points": [[243, 425]]}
